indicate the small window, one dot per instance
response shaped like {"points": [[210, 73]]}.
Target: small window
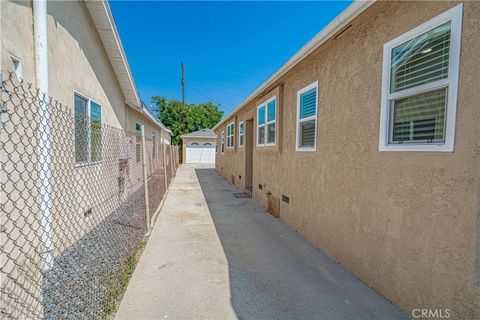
{"points": [[271, 121], [420, 78], [17, 66], [231, 135], [307, 106], [154, 148], [241, 133], [267, 123], [138, 127], [88, 130], [261, 125], [96, 131], [222, 142], [138, 149]]}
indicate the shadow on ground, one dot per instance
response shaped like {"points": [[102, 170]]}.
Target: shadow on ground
{"points": [[275, 273]]}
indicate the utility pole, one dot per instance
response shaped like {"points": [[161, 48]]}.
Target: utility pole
{"points": [[183, 85], [184, 120]]}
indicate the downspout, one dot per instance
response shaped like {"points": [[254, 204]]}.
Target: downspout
{"points": [[40, 35]]}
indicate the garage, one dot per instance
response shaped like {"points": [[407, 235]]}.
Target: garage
{"points": [[200, 152], [199, 147]]}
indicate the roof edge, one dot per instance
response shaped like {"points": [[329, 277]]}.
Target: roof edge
{"points": [[118, 40], [137, 104], [350, 13], [144, 110], [203, 137]]}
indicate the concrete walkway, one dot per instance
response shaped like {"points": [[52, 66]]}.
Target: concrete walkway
{"points": [[212, 256]]}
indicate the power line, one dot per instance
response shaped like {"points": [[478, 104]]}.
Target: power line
{"points": [[229, 71], [221, 87], [202, 94], [222, 91]]}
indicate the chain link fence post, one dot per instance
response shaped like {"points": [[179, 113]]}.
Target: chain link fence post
{"points": [[145, 180], [164, 146]]}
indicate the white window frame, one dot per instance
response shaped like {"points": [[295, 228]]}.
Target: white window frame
{"points": [[266, 123], [451, 83], [300, 121], [241, 142], [222, 142], [270, 122], [89, 130], [259, 126], [232, 136]]}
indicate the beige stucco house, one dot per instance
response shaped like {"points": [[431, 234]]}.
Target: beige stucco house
{"points": [[199, 146], [367, 142], [71, 51]]}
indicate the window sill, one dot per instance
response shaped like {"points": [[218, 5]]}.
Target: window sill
{"points": [[298, 149], [417, 147], [87, 164], [269, 145]]}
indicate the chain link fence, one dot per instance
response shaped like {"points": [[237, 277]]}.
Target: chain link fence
{"points": [[73, 206]]}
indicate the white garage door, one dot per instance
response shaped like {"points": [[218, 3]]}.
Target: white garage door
{"points": [[198, 152]]}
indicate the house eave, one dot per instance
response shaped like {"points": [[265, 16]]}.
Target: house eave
{"points": [[105, 24], [325, 34], [198, 137]]}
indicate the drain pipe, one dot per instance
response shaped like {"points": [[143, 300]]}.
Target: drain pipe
{"points": [[40, 35]]}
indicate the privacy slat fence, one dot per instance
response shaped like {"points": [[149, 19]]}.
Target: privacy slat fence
{"points": [[68, 229]]}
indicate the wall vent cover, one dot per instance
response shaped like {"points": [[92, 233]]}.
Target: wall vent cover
{"points": [[273, 206], [242, 195]]}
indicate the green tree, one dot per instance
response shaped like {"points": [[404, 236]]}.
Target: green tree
{"points": [[182, 120]]}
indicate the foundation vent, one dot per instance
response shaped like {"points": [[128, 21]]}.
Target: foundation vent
{"points": [[273, 205], [285, 199], [240, 195], [260, 187]]}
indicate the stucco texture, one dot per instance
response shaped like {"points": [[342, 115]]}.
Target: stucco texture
{"points": [[405, 223]]}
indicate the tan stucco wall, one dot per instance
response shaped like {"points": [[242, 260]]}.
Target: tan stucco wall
{"points": [[199, 140], [134, 117], [77, 58], [404, 222]]}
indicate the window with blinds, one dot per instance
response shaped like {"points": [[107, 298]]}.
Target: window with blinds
{"points": [[421, 60], [307, 118], [421, 75]]}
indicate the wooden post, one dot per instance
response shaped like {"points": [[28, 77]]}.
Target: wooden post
{"points": [[145, 179]]}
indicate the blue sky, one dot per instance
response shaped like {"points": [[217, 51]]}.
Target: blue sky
{"points": [[229, 48]]}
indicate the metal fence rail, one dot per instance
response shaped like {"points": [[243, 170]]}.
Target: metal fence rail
{"points": [[73, 210]]}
